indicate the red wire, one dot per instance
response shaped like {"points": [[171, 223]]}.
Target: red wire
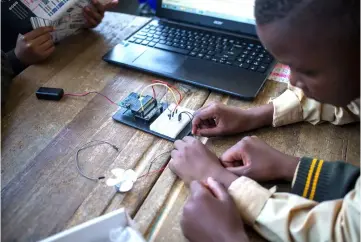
{"points": [[112, 102], [87, 93], [154, 95], [152, 172], [175, 88]]}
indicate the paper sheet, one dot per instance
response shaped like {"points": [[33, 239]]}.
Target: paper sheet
{"points": [[280, 73], [66, 16], [49, 9]]}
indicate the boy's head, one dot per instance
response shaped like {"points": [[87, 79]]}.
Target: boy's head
{"points": [[319, 40]]}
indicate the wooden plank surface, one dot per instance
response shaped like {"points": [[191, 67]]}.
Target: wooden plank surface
{"points": [[42, 193]]}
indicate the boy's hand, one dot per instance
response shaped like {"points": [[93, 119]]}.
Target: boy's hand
{"points": [[95, 12], [260, 161], [219, 119], [211, 217], [35, 46], [192, 160]]}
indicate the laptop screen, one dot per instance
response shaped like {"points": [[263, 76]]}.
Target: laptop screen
{"points": [[233, 10]]}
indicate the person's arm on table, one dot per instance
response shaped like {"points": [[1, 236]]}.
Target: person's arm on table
{"points": [[289, 217], [278, 216], [290, 107], [293, 106]]}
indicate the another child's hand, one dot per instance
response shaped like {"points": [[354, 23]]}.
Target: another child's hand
{"points": [[255, 159], [35, 46], [211, 215], [192, 160], [94, 13], [218, 119]]}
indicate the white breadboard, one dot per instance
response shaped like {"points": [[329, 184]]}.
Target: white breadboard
{"points": [[172, 127]]}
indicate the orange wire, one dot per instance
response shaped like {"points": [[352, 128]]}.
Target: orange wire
{"points": [[175, 88]]}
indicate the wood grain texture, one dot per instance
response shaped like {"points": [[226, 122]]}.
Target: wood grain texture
{"points": [[43, 120], [42, 193]]}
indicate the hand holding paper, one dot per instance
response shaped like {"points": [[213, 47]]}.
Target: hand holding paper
{"points": [[35, 46], [94, 13]]}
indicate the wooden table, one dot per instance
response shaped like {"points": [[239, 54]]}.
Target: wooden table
{"points": [[42, 193]]}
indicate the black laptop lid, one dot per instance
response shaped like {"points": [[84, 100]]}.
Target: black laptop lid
{"points": [[231, 15]]}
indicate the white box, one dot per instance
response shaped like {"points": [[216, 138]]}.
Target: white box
{"points": [[115, 226]]}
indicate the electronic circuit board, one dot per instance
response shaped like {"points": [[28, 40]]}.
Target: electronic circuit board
{"points": [[160, 119]]}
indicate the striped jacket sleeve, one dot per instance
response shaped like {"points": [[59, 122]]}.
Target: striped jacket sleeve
{"points": [[324, 205], [321, 180]]}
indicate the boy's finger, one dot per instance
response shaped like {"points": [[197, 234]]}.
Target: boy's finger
{"points": [[42, 39], [196, 122], [47, 45], [201, 117], [208, 132], [217, 189], [197, 189], [240, 170], [49, 51], [91, 22], [99, 7], [110, 5], [232, 154], [38, 32], [188, 139], [92, 13], [179, 144]]}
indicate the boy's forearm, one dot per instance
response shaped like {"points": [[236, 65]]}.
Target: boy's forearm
{"points": [[260, 116]]}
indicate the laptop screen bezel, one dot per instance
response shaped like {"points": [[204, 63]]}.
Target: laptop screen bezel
{"points": [[206, 21]]}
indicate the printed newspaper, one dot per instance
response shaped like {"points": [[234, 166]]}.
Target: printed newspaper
{"points": [[66, 16]]}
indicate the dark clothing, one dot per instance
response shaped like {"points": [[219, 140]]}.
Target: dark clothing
{"points": [[333, 180], [7, 75], [16, 65], [15, 20]]}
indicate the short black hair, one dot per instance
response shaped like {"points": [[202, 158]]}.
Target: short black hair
{"points": [[268, 11]]}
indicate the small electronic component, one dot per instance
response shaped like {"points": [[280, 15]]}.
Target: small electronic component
{"points": [[141, 107], [161, 119], [49, 93]]}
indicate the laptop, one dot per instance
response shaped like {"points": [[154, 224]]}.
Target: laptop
{"points": [[206, 43]]}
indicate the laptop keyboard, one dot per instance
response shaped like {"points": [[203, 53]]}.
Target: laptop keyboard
{"points": [[228, 50]]}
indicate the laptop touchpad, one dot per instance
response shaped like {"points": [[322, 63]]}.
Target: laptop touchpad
{"points": [[159, 61]]}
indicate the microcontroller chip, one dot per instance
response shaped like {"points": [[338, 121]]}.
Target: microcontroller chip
{"points": [[133, 102]]}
